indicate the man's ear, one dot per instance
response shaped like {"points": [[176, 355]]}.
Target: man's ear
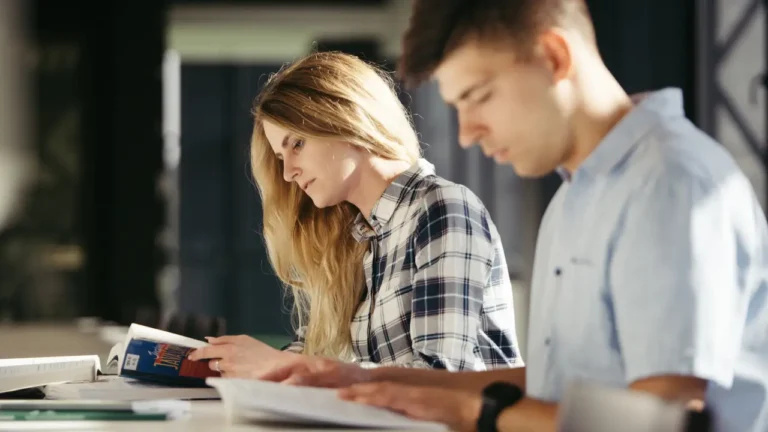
{"points": [[554, 50]]}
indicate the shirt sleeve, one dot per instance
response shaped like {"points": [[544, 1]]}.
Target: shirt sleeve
{"points": [[297, 345], [677, 277], [453, 253]]}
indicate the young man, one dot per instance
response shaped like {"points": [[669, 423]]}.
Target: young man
{"points": [[650, 268]]}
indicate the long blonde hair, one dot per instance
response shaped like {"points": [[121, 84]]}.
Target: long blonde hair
{"points": [[337, 96]]}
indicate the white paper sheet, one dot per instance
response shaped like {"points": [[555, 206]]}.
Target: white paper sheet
{"points": [[307, 405]]}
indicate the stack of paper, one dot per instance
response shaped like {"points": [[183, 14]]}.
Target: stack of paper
{"points": [[251, 399], [25, 373]]}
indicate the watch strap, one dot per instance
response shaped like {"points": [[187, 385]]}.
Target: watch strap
{"points": [[496, 398]]}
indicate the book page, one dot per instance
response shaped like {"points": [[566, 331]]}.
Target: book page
{"points": [[137, 331], [34, 366], [17, 374], [113, 359], [307, 404], [48, 360]]}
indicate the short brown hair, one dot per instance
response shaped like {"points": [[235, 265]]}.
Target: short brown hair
{"points": [[437, 27]]}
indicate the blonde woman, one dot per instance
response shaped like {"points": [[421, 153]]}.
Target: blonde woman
{"points": [[388, 263]]}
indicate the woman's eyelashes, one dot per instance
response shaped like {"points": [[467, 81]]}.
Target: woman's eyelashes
{"points": [[298, 144]]}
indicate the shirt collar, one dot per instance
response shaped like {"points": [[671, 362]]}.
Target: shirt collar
{"points": [[649, 109], [390, 200]]}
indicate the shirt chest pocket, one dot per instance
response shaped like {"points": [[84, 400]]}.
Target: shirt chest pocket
{"points": [[584, 331]]}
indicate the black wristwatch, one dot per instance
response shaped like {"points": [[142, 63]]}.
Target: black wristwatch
{"points": [[496, 397]]}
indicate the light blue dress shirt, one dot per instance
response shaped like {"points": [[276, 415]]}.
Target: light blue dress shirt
{"points": [[652, 259]]}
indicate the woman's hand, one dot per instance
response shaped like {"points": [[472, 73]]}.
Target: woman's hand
{"points": [[318, 372], [241, 356]]}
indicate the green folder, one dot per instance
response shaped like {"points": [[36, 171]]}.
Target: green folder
{"points": [[79, 410], [67, 415]]}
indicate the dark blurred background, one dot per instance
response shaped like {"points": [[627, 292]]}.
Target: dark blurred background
{"points": [[140, 206]]}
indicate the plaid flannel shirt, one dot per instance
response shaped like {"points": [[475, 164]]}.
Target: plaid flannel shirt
{"points": [[438, 293]]}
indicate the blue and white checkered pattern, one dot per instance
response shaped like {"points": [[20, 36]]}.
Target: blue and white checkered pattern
{"points": [[438, 293]]}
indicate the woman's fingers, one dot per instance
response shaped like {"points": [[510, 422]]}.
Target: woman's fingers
{"points": [[210, 352]]}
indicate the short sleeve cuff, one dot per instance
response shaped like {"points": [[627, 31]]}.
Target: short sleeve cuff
{"points": [[711, 369]]}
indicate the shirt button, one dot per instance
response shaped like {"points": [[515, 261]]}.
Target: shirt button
{"points": [[558, 271], [547, 341]]}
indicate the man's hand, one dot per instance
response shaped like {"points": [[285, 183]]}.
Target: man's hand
{"points": [[457, 409], [319, 372], [242, 356]]}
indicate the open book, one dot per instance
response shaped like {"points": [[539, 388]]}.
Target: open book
{"points": [[253, 400], [149, 354], [146, 355]]}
